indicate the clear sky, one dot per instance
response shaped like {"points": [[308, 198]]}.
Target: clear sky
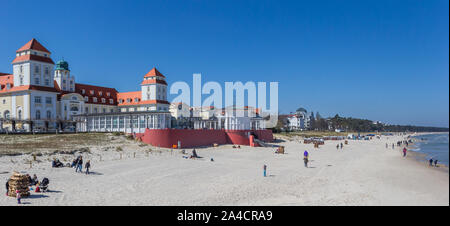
{"points": [[380, 60]]}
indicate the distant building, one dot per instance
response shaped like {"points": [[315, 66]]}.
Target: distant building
{"points": [[300, 120]]}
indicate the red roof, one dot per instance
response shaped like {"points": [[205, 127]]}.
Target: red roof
{"points": [[133, 96], [33, 57], [154, 72], [33, 44], [96, 89]]}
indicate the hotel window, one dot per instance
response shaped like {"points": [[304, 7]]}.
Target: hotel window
{"points": [[36, 69], [95, 99], [129, 100], [104, 110], [120, 101], [20, 114], [49, 114], [64, 81], [38, 114], [95, 110], [111, 110], [92, 92], [86, 110], [83, 91], [4, 101], [136, 99], [103, 100], [111, 101], [37, 100], [100, 93], [46, 70], [71, 82], [21, 68], [108, 94], [48, 100], [21, 80], [36, 80], [65, 107], [47, 82], [86, 99]]}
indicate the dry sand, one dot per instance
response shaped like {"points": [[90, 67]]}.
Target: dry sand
{"points": [[363, 173]]}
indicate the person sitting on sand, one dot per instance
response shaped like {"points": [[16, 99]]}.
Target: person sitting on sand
{"points": [[34, 180], [194, 154], [37, 187]]}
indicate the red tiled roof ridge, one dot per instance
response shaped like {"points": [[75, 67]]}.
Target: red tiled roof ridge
{"points": [[33, 57], [154, 72], [34, 45], [102, 87]]}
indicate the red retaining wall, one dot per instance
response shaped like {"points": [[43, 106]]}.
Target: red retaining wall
{"points": [[201, 137]]}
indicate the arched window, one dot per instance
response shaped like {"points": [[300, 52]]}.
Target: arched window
{"points": [[38, 114], [49, 114], [19, 114], [6, 114], [74, 108]]}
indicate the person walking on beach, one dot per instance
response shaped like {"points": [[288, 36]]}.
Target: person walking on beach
{"points": [[305, 160], [393, 146], [87, 166], [79, 164], [435, 162], [337, 147], [431, 162], [404, 152], [265, 170], [18, 196], [386, 145], [305, 154], [342, 145]]}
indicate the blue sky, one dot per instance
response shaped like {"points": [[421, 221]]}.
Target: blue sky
{"points": [[380, 60]]}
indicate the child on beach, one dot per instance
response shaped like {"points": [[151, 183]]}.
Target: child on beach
{"points": [[18, 196], [265, 170], [404, 152], [87, 166]]}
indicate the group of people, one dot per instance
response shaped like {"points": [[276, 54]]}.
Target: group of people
{"points": [[431, 162], [32, 181], [339, 145], [78, 164]]}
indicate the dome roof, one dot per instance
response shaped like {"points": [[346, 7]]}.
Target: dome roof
{"points": [[302, 109], [62, 65]]}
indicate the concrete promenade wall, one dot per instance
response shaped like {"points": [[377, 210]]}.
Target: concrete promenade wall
{"points": [[201, 137]]}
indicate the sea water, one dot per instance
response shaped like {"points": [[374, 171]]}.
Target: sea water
{"points": [[435, 146]]}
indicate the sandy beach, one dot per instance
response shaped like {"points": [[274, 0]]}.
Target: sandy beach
{"points": [[362, 173]]}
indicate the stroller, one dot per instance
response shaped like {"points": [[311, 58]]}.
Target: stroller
{"points": [[44, 184]]}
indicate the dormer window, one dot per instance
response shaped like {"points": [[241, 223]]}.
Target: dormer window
{"points": [[100, 93], [111, 101], [95, 99], [128, 100], [136, 99], [120, 101], [92, 92], [103, 100], [83, 91]]}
